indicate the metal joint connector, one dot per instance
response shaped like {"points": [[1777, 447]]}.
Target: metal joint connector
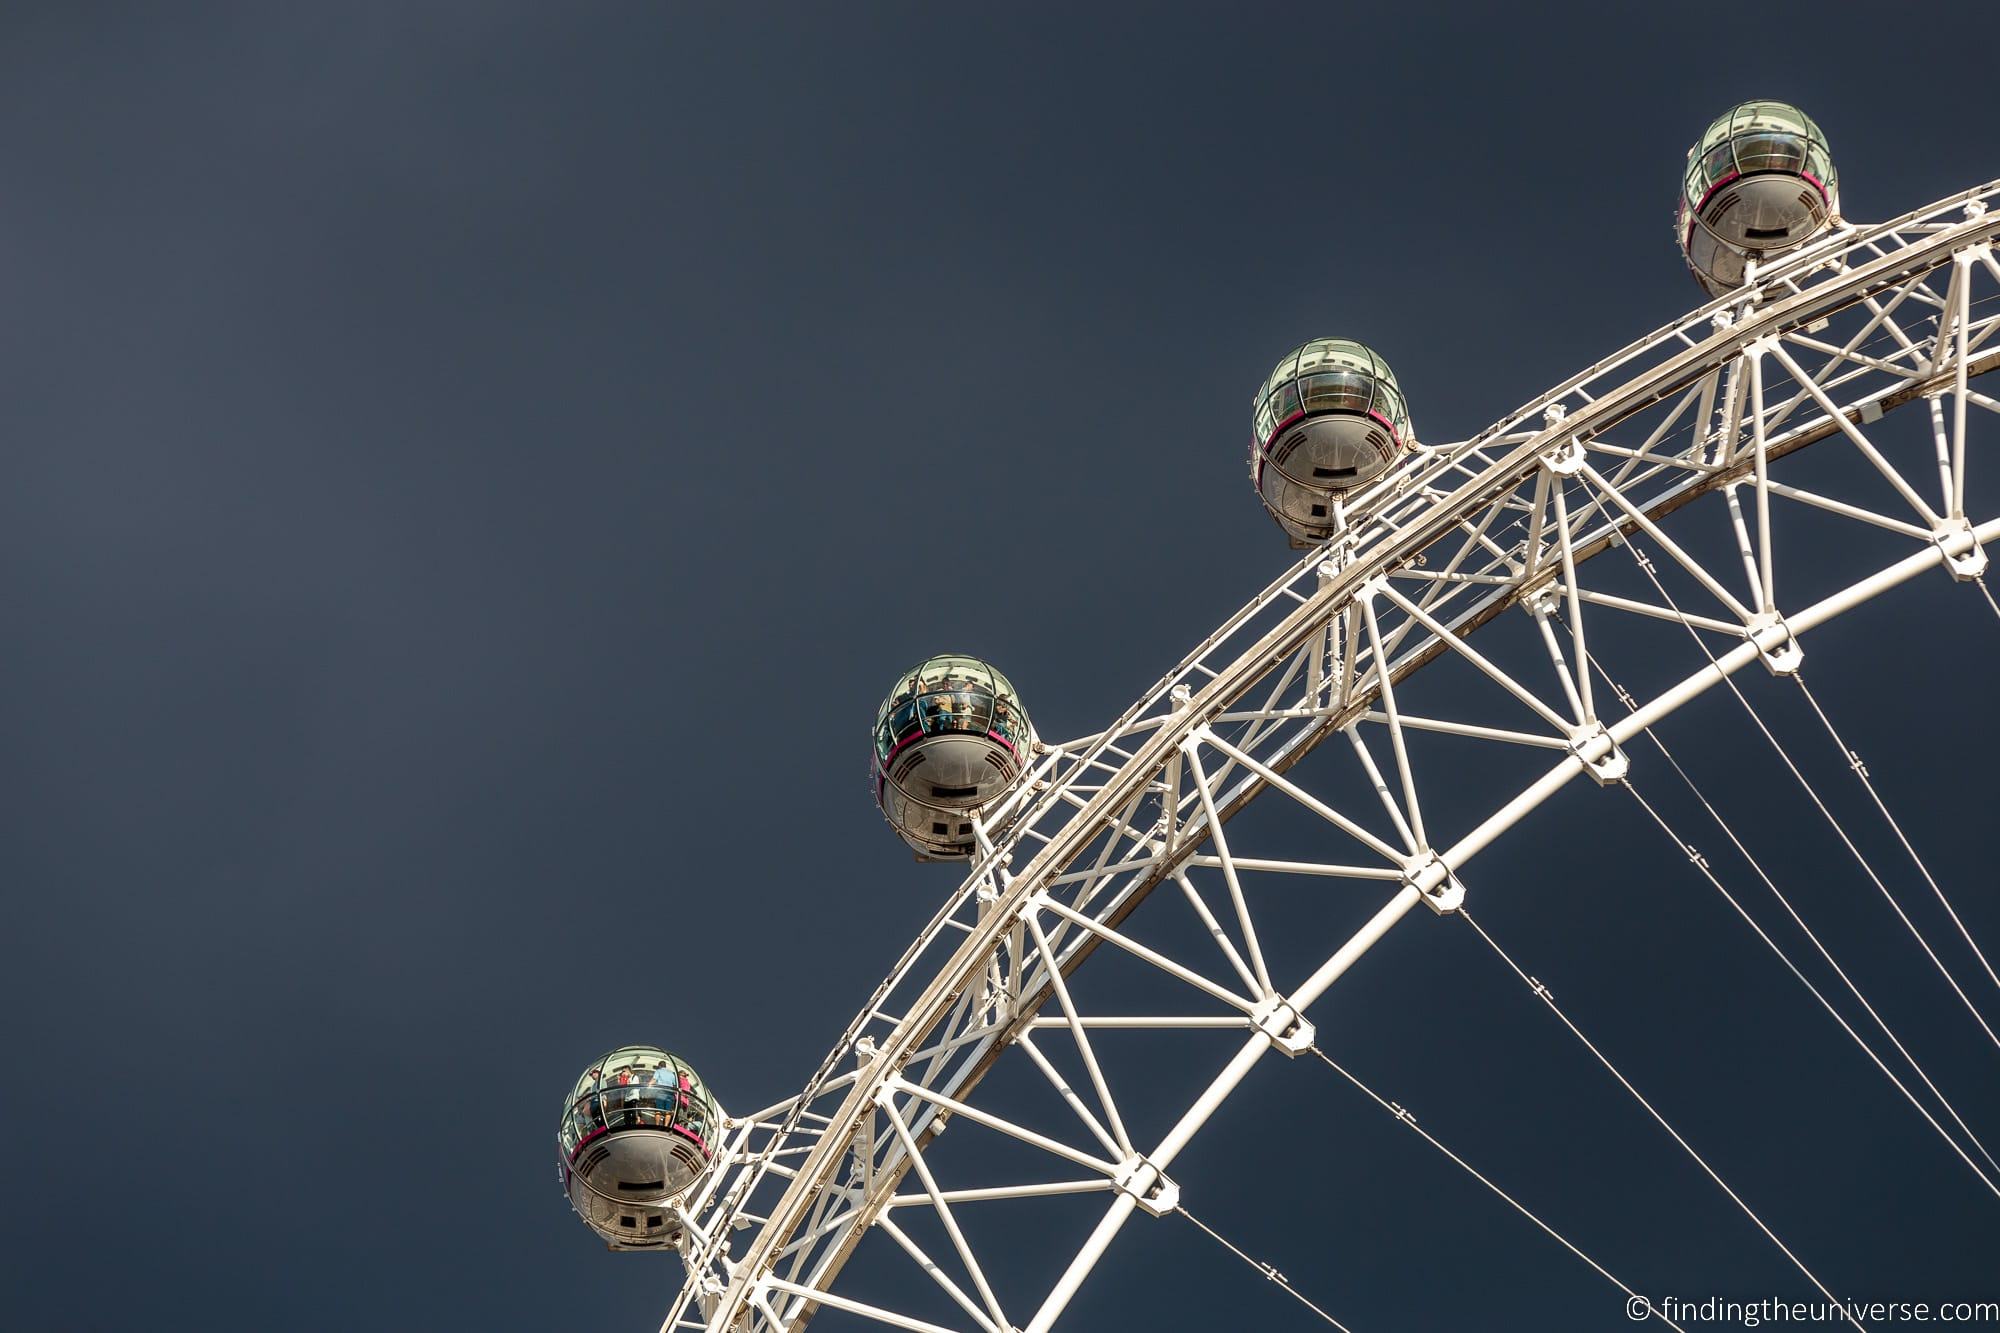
{"points": [[1430, 876], [1600, 755], [1279, 1019], [1782, 654], [1565, 459], [1964, 557], [884, 1098], [1150, 1187]]}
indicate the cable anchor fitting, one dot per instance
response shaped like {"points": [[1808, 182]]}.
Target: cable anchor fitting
{"points": [[1544, 601], [1565, 459], [1150, 1187], [1782, 655], [1279, 1019], [1600, 755], [1964, 557], [1427, 873]]}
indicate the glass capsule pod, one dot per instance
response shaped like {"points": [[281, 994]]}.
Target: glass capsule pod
{"points": [[1330, 418], [1760, 181], [950, 739], [639, 1130]]}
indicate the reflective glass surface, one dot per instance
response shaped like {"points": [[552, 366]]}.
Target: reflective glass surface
{"points": [[639, 1087], [1329, 375], [1341, 389], [949, 694], [1757, 136]]}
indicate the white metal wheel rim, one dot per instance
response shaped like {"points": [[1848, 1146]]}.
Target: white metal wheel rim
{"points": [[1916, 240]]}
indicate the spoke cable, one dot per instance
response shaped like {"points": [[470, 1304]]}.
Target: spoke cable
{"points": [[1269, 1271], [1409, 1119], [1631, 705], [1701, 863], [1861, 771], [1981, 581], [1542, 993], [1812, 792]]}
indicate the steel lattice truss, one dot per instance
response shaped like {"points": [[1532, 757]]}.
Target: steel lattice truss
{"points": [[1821, 348]]}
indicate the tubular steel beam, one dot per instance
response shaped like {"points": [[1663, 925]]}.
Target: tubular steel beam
{"points": [[1399, 544]]}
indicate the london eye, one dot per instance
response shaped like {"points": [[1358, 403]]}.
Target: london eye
{"points": [[1474, 627]]}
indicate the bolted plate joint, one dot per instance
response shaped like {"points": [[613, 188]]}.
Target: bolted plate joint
{"points": [[1149, 1186], [1774, 639], [1277, 1018], [1565, 459], [1429, 875], [1964, 557], [1601, 757]]}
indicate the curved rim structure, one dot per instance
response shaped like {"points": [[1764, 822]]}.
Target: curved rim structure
{"points": [[1824, 345]]}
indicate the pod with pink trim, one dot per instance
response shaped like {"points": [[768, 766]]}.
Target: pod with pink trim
{"points": [[1759, 182], [1330, 418], [639, 1130], [950, 740]]}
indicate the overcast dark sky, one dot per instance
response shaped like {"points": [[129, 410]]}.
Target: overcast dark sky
{"points": [[472, 469]]}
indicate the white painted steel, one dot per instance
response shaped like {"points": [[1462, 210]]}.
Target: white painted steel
{"points": [[1438, 547]]}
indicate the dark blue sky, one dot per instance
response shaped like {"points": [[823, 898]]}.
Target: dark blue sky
{"points": [[472, 470]]}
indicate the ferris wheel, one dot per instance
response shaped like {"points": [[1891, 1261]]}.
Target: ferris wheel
{"points": [[1466, 607]]}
